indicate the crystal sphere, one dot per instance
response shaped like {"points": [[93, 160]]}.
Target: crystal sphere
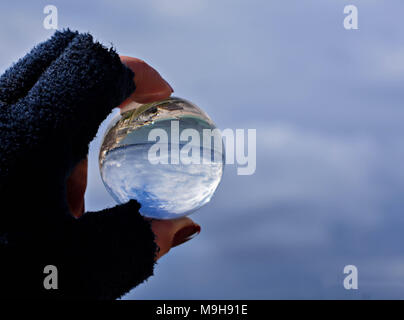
{"points": [[167, 155]]}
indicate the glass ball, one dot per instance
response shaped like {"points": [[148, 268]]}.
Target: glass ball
{"points": [[167, 155]]}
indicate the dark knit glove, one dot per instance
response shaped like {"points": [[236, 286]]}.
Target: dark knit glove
{"points": [[51, 104]]}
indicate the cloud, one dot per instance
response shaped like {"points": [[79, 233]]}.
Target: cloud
{"points": [[163, 190], [178, 8], [327, 106]]}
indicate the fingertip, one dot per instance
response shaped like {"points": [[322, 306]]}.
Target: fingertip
{"points": [[150, 85], [171, 88], [185, 234]]}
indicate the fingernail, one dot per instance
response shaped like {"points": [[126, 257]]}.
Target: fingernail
{"points": [[171, 88], [196, 231], [186, 234]]}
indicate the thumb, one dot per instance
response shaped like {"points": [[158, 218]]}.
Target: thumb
{"points": [[187, 231], [171, 233]]}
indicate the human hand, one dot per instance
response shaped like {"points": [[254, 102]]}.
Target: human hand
{"points": [[150, 86]]}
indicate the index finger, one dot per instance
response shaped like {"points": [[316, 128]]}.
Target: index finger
{"points": [[150, 85]]}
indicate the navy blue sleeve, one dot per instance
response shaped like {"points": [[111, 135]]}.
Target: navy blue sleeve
{"points": [[51, 104]]}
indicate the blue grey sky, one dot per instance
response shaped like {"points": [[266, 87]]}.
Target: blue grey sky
{"points": [[327, 104]]}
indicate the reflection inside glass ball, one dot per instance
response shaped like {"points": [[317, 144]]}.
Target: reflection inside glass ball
{"points": [[166, 155]]}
